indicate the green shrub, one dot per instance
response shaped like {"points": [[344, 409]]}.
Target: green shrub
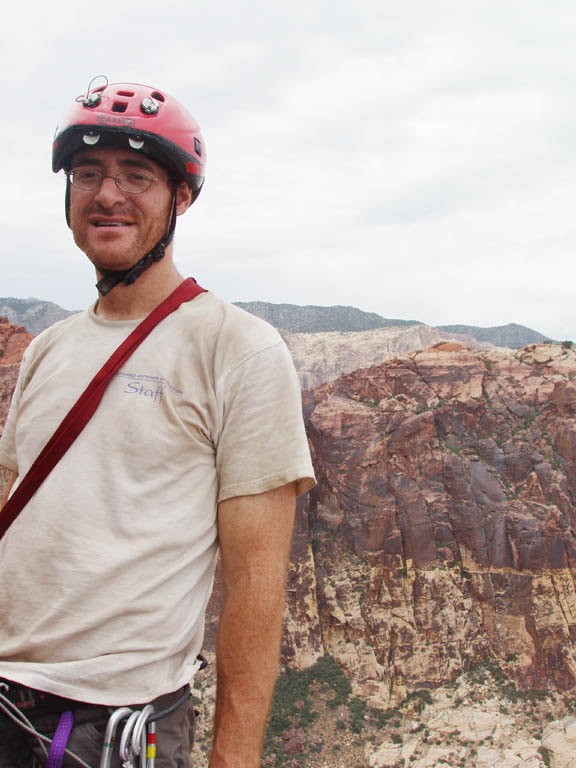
{"points": [[294, 686], [358, 710]]}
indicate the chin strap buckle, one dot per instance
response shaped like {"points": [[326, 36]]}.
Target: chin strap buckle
{"points": [[107, 282]]}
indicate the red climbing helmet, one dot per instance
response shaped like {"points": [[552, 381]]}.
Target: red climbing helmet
{"points": [[135, 117], [144, 119]]}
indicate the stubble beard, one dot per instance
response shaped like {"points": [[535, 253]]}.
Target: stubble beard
{"points": [[119, 256]]}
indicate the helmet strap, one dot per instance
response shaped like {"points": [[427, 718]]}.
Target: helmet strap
{"points": [[111, 277]]}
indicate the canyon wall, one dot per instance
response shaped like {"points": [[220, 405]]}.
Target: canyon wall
{"points": [[441, 531]]}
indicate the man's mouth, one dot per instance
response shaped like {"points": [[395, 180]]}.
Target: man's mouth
{"points": [[111, 224]]}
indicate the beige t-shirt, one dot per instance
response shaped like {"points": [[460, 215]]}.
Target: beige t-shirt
{"points": [[105, 575]]}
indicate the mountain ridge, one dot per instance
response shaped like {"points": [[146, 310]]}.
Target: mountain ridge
{"points": [[36, 315], [510, 335]]}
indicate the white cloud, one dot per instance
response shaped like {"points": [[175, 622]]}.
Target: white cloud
{"points": [[411, 159]]}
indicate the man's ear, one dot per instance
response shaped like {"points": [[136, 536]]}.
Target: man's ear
{"points": [[183, 198]]}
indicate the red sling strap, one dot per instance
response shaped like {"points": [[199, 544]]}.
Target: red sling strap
{"points": [[80, 413]]}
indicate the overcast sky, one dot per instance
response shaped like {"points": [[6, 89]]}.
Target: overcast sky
{"points": [[413, 158]]}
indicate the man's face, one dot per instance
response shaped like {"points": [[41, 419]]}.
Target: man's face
{"points": [[115, 228]]}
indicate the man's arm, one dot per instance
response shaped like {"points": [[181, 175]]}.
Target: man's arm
{"points": [[7, 480], [255, 534]]}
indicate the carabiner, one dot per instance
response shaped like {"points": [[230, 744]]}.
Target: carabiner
{"points": [[112, 726], [126, 752], [139, 742]]}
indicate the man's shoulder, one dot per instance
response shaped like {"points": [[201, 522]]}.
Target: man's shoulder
{"points": [[231, 324], [56, 332]]}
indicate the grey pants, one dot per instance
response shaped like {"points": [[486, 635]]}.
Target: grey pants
{"points": [[174, 736]]}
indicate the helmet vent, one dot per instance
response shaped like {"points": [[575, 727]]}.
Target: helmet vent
{"points": [[158, 96], [119, 106], [128, 94], [197, 147]]}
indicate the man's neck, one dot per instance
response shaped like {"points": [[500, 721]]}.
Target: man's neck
{"points": [[130, 302]]}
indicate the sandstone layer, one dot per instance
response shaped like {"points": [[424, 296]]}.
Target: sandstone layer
{"points": [[321, 357]]}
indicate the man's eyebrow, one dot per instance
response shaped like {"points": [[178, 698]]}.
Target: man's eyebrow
{"points": [[87, 161], [137, 163], [128, 162]]}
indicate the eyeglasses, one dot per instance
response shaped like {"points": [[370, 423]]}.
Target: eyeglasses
{"points": [[132, 182]]}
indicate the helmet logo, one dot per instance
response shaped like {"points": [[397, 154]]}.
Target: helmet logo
{"points": [[124, 122]]}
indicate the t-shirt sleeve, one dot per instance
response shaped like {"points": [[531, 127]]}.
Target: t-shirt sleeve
{"points": [[262, 442]]}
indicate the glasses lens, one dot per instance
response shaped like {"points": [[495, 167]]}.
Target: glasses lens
{"points": [[133, 182], [86, 178]]}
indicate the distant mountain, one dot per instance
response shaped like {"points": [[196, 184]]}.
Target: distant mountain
{"points": [[512, 335], [314, 319], [33, 314], [36, 315]]}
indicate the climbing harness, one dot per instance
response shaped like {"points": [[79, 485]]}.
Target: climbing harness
{"points": [[136, 746], [57, 745]]}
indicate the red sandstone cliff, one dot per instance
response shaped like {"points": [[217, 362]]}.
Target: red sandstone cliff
{"points": [[442, 530], [13, 341]]}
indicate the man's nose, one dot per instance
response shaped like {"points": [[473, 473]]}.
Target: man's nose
{"points": [[109, 193]]}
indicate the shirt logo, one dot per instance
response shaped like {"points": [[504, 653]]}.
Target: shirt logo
{"points": [[145, 385]]}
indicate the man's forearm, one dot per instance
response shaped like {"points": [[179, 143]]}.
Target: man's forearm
{"points": [[255, 534], [248, 650]]}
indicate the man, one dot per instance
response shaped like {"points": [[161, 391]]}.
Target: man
{"points": [[198, 443]]}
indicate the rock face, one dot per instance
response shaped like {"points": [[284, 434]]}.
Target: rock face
{"points": [[321, 357], [441, 531], [13, 341]]}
